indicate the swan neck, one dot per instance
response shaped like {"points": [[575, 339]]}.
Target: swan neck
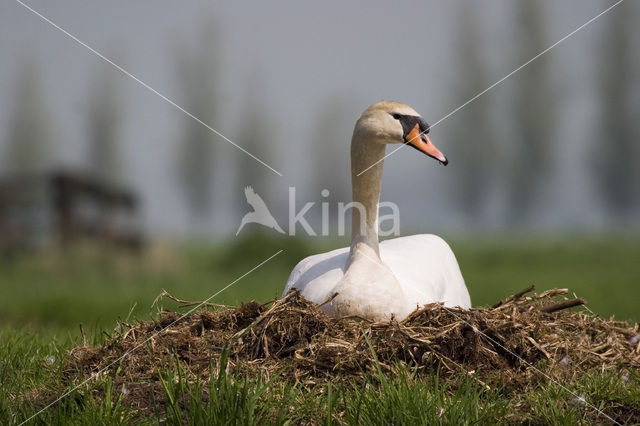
{"points": [[366, 195]]}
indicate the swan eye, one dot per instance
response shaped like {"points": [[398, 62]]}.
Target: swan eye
{"points": [[396, 116]]}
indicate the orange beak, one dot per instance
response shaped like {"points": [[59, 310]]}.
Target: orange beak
{"points": [[421, 142]]}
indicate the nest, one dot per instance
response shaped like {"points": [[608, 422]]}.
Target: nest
{"points": [[523, 339]]}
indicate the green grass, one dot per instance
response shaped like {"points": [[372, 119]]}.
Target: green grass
{"points": [[605, 271], [59, 292], [377, 400], [44, 298]]}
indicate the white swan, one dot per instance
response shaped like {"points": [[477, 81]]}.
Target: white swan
{"points": [[393, 278]]}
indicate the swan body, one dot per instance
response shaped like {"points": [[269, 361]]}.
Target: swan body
{"points": [[424, 265], [381, 281]]}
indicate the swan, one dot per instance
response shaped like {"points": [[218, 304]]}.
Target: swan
{"points": [[388, 280]]}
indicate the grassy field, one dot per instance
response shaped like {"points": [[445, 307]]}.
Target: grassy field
{"points": [[43, 299]]}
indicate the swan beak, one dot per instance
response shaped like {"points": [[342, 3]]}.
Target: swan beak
{"points": [[421, 142]]}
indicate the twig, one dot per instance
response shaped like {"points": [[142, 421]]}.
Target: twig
{"points": [[552, 293], [290, 295], [516, 296], [328, 300], [420, 310], [563, 305], [84, 338], [539, 347], [186, 303]]}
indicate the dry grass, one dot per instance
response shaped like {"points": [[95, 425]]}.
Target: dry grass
{"points": [[292, 337]]}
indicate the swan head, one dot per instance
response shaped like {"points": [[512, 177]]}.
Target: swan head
{"points": [[388, 122]]}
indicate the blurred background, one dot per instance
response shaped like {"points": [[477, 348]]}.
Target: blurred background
{"points": [[108, 193]]}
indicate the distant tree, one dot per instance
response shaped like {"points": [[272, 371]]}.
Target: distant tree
{"points": [[472, 148], [532, 114], [616, 151], [257, 135], [197, 72], [29, 142], [330, 138], [104, 119]]}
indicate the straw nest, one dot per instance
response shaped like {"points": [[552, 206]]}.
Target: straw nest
{"points": [[523, 339]]}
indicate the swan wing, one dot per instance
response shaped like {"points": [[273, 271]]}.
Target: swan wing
{"points": [[427, 269], [316, 276]]}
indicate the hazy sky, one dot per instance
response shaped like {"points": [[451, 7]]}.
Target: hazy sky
{"points": [[297, 57]]}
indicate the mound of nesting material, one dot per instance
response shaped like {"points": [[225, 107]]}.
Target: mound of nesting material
{"points": [[293, 337]]}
